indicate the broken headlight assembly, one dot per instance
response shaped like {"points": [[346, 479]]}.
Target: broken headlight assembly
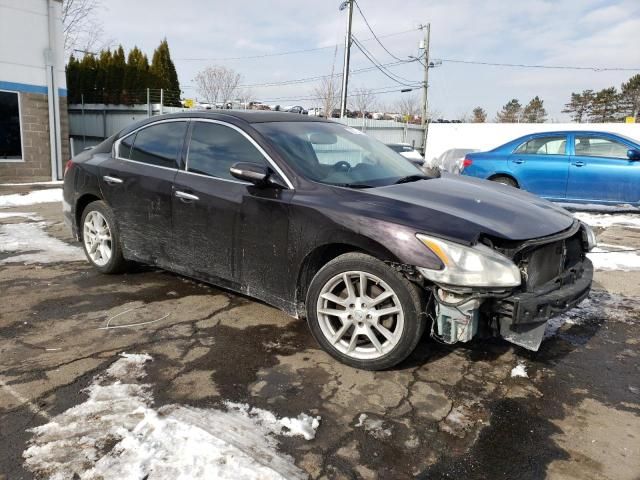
{"points": [[588, 237], [475, 266]]}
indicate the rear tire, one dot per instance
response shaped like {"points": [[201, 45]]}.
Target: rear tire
{"points": [[371, 330], [504, 180], [101, 238]]}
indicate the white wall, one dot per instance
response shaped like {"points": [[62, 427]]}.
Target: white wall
{"points": [[485, 136], [24, 37]]}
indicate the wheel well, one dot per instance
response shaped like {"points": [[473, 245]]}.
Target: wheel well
{"points": [[82, 202], [319, 258], [504, 175]]}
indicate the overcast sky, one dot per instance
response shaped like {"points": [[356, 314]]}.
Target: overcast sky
{"points": [[591, 33]]}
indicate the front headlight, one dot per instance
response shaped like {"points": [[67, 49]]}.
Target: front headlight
{"points": [[588, 237], [477, 266]]}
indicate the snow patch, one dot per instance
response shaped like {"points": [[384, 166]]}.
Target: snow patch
{"points": [[48, 195], [606, 221], [28, 215], [373, 426], [600, 305], [615, 257], [594, 207], [519, 371], [116, 434], [37, 245]]}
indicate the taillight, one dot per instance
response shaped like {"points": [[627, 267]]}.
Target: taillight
{"points": [[68, 166], [466, 162]]}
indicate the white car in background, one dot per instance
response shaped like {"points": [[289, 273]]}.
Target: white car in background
{"points": [[451, 160], [408, 152]]}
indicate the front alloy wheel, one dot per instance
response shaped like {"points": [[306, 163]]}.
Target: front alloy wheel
{"points": [[365, 313], [360, 315]]}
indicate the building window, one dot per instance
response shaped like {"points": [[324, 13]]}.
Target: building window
{"points": [[10, 134]]}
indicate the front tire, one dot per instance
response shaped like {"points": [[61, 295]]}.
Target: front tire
{"points": [[101, 238], [364, 313]]}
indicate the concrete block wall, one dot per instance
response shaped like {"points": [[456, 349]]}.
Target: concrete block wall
{"points": [[34, 118]]}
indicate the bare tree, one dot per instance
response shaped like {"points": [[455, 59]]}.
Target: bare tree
{"points": [[329, 94], [244, 96], [408, 106], [217, 84], [364, 100], [81, 26]]}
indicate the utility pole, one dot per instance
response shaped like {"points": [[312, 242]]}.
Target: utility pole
{"points": [[347, 52], [426, 29]]}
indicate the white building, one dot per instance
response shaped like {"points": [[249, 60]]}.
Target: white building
{"points": [[33, 105]]}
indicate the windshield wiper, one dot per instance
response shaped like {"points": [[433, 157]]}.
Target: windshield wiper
{"points": [[353, 185], [410, 178]]}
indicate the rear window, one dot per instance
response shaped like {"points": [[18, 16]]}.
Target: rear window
{"points": [[159, 144]]}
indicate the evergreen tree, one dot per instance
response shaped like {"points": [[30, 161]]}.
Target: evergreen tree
{"points": [[87, 79], [136, 77], [534, 112], [73, 71], [579, 106], [164, 74], [479, 115], [630, 98], [102, 77], [605, 106], [115, 77], [510, 113]]}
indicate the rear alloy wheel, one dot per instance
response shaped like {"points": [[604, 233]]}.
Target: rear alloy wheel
{"points": [[100, 238], [505, 181], [364, 313]]}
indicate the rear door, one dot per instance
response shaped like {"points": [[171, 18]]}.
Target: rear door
{"points": [[541, 165], [137, 183], [227, 230], [600, 170]]}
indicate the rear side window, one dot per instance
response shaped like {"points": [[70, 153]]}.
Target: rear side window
{"points": [[214, 148], [543, 146], [159, 144], [600, 147]]}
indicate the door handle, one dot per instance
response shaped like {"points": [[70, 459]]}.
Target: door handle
{"points": [[112, 180], [579, 164], [186, 196], [519, 161]]}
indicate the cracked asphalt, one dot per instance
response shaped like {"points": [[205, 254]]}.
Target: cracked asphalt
{"points": [[447, 412]]}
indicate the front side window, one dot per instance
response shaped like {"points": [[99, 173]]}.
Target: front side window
{"points": [[543, 146], [124, 149], [214, 148], [599, 147], [10, 137], [336, 154], [159, 144]]}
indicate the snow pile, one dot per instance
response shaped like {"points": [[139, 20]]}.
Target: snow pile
{"points": [[519, 371], [599, 306], [615, 257], [37, 246], [373, 426], [606, 221], [116, 434], [594, 207], [48, 195]]}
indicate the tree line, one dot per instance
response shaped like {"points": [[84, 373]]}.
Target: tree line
{"points": [[108, 77]]}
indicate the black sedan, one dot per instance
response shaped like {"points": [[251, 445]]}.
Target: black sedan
{"points": [[328, 224]]}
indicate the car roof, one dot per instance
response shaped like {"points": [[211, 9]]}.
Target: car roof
{"points": [[231, 116]]}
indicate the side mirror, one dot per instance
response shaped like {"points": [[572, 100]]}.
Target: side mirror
{"points": [[255, 173], [633, 154]]}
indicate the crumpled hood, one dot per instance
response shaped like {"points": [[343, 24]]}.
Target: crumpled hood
{"points": [[463, 208]]}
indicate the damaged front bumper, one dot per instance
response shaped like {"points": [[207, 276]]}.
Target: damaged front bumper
{"points": [[519, 317], [522, 317]]}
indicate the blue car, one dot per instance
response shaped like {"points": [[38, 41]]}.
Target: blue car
{"points": [[569, 166]]}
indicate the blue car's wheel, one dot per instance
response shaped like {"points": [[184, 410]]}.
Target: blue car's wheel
{"points": [[505, 181]]}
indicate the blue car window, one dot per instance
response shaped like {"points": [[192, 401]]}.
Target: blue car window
{"points": [[543, 146], [600, 147]]}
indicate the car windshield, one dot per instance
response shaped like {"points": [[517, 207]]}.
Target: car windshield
{"points": [[336, 154]]}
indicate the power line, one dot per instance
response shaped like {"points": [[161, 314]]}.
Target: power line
{"points": [[290, 52], [551, 67], [402, 81], [379, 91], [372, 32], [376, 62]]}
